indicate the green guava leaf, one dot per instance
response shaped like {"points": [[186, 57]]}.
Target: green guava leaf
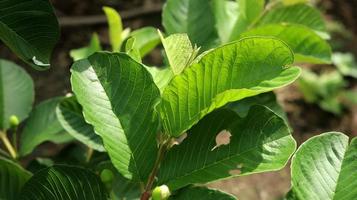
{"points": [[16, 93], [324, 168], [224, 145], [268, 99], [302, 14], [248, 12], [183, 17], [179, 51], [306, 44], [30, 29], [161, 77], [132, 50], [69, 114], [61, 182], [12, 178], [229, 73], [146, 39], [201, 193], [115, 27], [41, 126], [118, 96], [226, 16]]}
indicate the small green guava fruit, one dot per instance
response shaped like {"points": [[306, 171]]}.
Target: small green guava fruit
{"points": [[14, 121], [161, 193], [106, 175]]}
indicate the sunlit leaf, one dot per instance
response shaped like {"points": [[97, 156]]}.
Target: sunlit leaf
{"points": [[324, 168], [232, 72]]}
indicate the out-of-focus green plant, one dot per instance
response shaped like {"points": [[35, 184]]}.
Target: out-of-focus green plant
{"points": [[143, 40], [325, 89]]}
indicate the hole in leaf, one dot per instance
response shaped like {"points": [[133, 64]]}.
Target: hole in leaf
{"points": [[237, 171], [222, 138]]}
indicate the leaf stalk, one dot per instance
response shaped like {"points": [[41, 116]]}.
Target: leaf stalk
{"points": [[161, 154], [8, 145]]}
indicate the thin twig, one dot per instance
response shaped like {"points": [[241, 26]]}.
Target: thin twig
{"points": [[89, 154], [14, 138], [101, 19], [8, 145], [161, 153]]}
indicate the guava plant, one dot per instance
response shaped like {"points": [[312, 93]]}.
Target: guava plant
{"points": [[160, 133]]}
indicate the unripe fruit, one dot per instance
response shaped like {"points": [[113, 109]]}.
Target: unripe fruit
{"points": [[106, 175], [161, 193], [14, 121]]}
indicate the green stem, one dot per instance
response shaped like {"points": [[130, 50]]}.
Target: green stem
{"points": [[89, 154], [161, 153], [8, 145], [14, 138]]}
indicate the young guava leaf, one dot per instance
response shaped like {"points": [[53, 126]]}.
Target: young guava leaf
{"points": [[12, 178], [226, 16], [84, 52], [182, 17], [179, 51], [69, 114], [306, 44], [161, 77], [248, 12], [17, 93], [146, 39], [115, 27], [62, 182], [229, 73], [132, 50], [259, 142], [118, 96], [41, 126], [30, 29], [324, 168], [201, 193], [302, 14]]}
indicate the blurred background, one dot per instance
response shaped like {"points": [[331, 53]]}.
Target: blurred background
{"points": [[323, 100]]}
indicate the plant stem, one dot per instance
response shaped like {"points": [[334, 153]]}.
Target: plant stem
{"points": [[14, 138], [8, 145], [89, 154], [162, 150]]}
